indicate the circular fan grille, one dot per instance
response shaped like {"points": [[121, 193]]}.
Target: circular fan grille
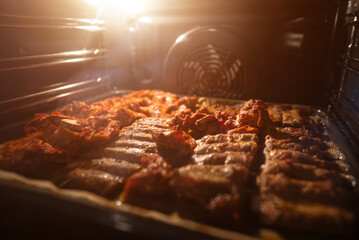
{"points": [[210, 70]]}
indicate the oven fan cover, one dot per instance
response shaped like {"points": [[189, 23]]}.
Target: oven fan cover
{"points": [[210, 62]]}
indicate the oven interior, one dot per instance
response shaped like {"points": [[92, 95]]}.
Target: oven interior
{"points": [[300, 52]]}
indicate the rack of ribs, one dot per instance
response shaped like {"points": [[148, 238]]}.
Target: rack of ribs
{"points": [[301, 185]]}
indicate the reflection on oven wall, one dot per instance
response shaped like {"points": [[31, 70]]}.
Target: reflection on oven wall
{"points": [[290, 45], [47, 43], [51, 53]]}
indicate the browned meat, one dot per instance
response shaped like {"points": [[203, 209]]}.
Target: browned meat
{"points": [[79, 126], [275, 113], [151, 181], [198, 124], [132, 155], [72, 135], [286, 115], [145, 126], [296, 156], [31, 157], [189, 102], [99, 182], [154, 122], [244, 129], [149, 147], [144, 144], [134, 141], [128, 134], [209, 124], [122, 169], [245, 147], [220, 138], [298, 188], [201, 183], [231, 110], [104, 176], [175, 146], [238, 149], [306, 216], [290, 132], [301, 171], [305, 145], [301, 136], [325, 191], [254, 114], [159, 103], [77, 109], [252, 118], [235, 158], [136, 128]]}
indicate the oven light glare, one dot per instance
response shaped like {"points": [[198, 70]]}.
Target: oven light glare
{"points": [[145, 19], [180, 38], [74, 60], [89, 28], [93, 2], [131, 6]]}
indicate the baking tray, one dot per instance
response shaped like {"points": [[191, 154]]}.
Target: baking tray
{"points": [[29, 204]]}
